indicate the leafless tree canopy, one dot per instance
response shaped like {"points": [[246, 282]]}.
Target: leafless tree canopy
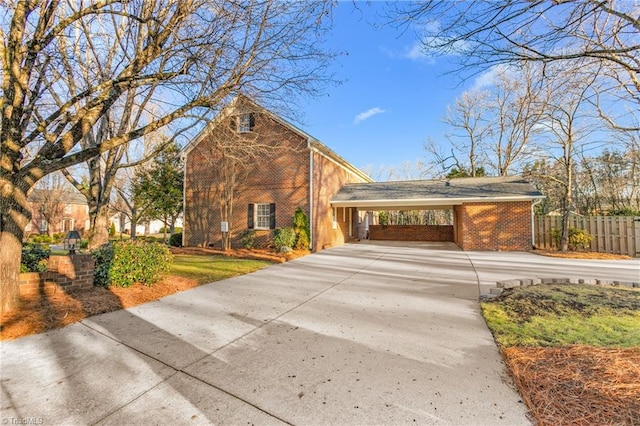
{"points": [[80, 78], [69, 64], [487, 32]]}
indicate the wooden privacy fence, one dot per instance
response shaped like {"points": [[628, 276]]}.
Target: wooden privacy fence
{"points": [[611, 234]]}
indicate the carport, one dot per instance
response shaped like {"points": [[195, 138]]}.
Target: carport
{"points": [[489, 213]]}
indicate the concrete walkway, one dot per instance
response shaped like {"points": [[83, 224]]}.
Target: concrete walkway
{"points": [[358, 334]]}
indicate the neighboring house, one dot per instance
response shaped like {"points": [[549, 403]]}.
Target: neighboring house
{"points": [[143, 228], [69, 207], [342, 202], [298, 172]]}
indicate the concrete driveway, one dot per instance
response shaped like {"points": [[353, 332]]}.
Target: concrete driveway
{"points": [[358, 334]]}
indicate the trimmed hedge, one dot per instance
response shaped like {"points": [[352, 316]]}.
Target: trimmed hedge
{"points": [[129, 262], [175, 240], [34, 257], [102, 256]]}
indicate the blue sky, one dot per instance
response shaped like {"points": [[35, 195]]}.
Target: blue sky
{"points": [[391, 98]]}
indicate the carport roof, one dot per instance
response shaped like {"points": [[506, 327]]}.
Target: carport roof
{"points": [[437, 192]]}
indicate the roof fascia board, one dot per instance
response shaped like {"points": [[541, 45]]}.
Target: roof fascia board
{"points": [[330, 155], [225, 112], [430, 201]]}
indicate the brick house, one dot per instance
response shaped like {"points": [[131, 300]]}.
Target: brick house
{"points": [[278, 169], [489, 213], [341, 202], [71, 211]]}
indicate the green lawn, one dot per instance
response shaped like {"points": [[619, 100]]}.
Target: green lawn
{"points": [[560, 315], [206, 269]]}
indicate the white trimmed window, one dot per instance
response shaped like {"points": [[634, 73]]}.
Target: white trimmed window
{"points": [[245, 123], [261, 216]]}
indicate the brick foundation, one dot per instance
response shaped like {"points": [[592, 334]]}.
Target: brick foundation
{"points": [[69, 272], [439, 233]]}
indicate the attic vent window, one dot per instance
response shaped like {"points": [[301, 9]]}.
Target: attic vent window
{"points": [[245, 123]]}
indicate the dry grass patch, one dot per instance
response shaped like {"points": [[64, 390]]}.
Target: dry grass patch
{"points": [[572, 350]]}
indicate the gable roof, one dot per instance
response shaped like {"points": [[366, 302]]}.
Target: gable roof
{"points": [[71, 196], [312, 143], [436, 192]]}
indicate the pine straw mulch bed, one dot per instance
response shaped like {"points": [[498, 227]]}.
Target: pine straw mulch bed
{"points": [[52, 307], [581, 255], [578, 385], [256, 254]]}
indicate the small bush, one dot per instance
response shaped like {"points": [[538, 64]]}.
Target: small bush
{"points": [[34, 258], [176, 230], [138, 262], [383, 218], [283, 238], [302, 240], [175, 240], [248, 238], [43, 238], [103, 256], [112, 230], [579, 238], [301, 229]]}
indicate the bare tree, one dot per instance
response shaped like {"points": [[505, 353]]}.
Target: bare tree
{"points": [[470, 130], [482, 33], [409, 170], [516, 104], [568, 126], [192, 55]]}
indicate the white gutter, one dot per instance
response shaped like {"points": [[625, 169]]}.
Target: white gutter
{"points": [[387, 203], [311, 224], [533, 222], [184, 194]]}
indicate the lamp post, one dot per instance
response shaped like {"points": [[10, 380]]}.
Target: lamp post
{"points": [[71, 241]]}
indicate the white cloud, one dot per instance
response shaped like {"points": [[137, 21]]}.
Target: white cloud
{"points": [[368, 114], [414, 52], [490, 77]]}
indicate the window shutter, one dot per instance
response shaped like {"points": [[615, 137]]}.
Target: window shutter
{"points": [[252, 122], [250, 217], [234, 123], [272, 216]]}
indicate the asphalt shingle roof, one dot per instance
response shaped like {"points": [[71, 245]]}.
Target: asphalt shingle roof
{"points": [[66, 196], [439, 189]]}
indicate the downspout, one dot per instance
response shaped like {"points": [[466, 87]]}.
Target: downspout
{"points": [[533, 222], [311, 223], [184, 196]]}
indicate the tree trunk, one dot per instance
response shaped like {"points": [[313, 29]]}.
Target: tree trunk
{"points": [[14, 217], [98, 234], [564, 236], [134, 223]]}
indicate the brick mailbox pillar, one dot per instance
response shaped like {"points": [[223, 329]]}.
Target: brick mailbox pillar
{"points": [[69, 272]]}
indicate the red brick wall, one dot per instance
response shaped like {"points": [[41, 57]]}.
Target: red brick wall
{"points": [[279, 176], [411, 232], [69, 272], [494, 226], [328, 178]]}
